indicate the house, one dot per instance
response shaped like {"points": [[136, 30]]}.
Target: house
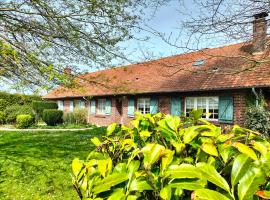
{"points": [[218, 80]]}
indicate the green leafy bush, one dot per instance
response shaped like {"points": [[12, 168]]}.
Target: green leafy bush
{"points": [[39, 106], [165, 157], [258, 119], [20, 99], [11, 112], [3, 104], [2, 117], [52, 117], [24, 121]]}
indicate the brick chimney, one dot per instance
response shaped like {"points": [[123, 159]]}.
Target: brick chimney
{"points": [[259, 32], [67, 71]]}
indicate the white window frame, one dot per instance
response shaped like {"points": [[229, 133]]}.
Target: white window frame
{"points": [[101, 112], [144, 104], [207, 105], [60, 104]]}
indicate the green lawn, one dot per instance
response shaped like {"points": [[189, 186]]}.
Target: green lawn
{"points": [[37, 166]]}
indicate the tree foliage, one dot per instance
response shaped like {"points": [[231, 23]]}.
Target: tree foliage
{"points": [[36, 37], [165, 157]]}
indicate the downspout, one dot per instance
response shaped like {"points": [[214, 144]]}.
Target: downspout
{"points": [[256, 96]]}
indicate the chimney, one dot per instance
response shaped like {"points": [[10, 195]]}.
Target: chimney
{"points": [[67, 71], [259, 32]]}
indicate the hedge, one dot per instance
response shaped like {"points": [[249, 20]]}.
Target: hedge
{"points": [[24, 121], [52, 117], [12, 112], [39, 106]]}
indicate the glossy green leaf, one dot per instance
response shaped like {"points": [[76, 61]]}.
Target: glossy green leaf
{"points": [[209, 148], [96, 141], [132, 197], [250, 183], [183, 171], [190, 133], [140, 184], [108, 182], [261, 147], [118, 194], [105, 166], [206, 194], [185, 184], [151, 154], [166, 193], [166, 159], [211, 174], [77, 166], [245, 150], [111, 128], [239, 168]]}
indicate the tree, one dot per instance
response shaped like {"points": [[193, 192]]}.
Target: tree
{"points": [[38, 37]]}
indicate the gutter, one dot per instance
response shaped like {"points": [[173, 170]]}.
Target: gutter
{"points": [[256, 96]]}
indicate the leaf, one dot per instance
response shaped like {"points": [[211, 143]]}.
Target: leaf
{"points": [[211, 174], [190, 133], [105, 166], [166, 193], [96, 141], [210, 149], [206, 194], [183, 171], [245, 150], [261, 147], [132, 197], [226, 151], [224, 137], [139, 184], [145, 134], [166, 159], [77, 166], [263, 194], [239, 168], [108, 182], [151, 154], [111, 128], [196, 114], [188, 184], [250, 183], [118, 194]]}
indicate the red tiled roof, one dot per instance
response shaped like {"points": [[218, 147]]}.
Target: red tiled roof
{"points": [[227, 67]]}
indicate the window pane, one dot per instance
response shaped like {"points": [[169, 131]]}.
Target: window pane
{"points": [[143, 105], [101, 106]]}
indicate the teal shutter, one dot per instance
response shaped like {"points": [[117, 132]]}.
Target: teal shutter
{"points": [[153, 105], [93, 107], [131, 107], [108, 107], [176, 106], [225, 109]]}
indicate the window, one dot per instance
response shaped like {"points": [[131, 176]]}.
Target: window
{"points": [[101, 107], [208, 104], [60, 105], [143, 105]]}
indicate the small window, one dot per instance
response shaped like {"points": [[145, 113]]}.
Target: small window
{"points": [[208, 104], [101, 107], [60, 105], [143, 105], [198, 62]]}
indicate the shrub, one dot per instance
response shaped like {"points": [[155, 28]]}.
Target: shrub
{"points": [[69, 118], [20, 99], [165, 157], [39, 106], [80, 115], [52, 117], [3, 104], [258, 119], [12, 112], [2, 117], [24, 121]]}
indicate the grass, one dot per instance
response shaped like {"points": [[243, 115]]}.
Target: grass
{"points": [[37, 165]]}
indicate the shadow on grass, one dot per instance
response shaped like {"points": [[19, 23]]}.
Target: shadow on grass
{"points": [[38, 165]]}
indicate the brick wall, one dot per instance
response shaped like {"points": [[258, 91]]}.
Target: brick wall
{"points": [[164, 100]]}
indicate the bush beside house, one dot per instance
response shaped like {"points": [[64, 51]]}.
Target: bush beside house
{"points": [[52, 117], [39, 106], [24, 121], [163, 157], [11, 112]]}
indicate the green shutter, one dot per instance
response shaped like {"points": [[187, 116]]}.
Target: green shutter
{"points": [[176, 107], [131, 107], [225, 109], [93, 107], [153, 105], [108, 107]]}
